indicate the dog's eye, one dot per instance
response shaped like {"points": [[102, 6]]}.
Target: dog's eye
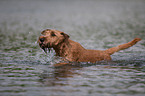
{"points": [[52, 34], [62, 33]]}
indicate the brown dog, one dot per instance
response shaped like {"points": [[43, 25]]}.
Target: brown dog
{"points": [[73, 51]]}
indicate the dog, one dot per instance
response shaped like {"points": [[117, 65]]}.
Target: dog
{"points": [[73, 51]]}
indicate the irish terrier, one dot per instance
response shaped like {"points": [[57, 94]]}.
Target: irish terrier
{"points": [[73, 51]]}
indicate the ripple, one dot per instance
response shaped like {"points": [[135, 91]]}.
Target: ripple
{"points": [[26, 71]]}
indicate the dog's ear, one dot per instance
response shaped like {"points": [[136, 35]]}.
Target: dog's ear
{"points": [[65, 35]]}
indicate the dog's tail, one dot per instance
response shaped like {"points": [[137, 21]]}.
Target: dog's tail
{"points": [[112, 50]]}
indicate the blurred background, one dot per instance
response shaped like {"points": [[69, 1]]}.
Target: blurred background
{"points": [[96, 24]]}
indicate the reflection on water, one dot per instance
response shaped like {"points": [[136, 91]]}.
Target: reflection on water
{"points": [[25, 70], [83, 78], [59, 75]]}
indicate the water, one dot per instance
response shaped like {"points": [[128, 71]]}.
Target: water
{"points": [[25, 70]]}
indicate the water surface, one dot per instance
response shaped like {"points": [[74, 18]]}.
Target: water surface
{"points": [[25, 70]]}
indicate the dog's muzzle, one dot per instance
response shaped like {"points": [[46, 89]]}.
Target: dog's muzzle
{"points": [[46, 47]]}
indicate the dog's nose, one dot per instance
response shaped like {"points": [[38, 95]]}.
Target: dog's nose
{"points": [[42, 39]]}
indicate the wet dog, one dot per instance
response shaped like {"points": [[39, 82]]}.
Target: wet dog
{"points": [[73, 51]]}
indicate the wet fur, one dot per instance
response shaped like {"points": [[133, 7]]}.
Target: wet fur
{"points": [[73, 51]]}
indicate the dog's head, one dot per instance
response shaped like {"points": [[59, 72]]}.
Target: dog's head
{"points": [[51, 38]]}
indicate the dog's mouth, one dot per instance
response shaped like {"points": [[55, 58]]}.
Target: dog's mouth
{"points": [[46, 48]]}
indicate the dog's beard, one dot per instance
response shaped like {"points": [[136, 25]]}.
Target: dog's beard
{"points": [[46, 48]]}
